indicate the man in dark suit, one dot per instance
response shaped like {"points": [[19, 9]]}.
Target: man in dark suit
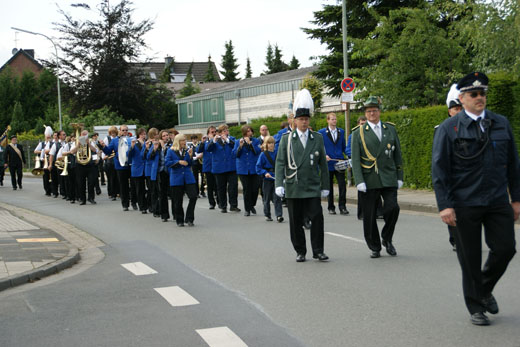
{"points": [[14, 158], [476, 177], [378, 172], [335, 147], [301, 174]]}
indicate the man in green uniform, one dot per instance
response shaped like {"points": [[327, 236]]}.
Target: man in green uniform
{"points": [[378, 172], [302, 174]]}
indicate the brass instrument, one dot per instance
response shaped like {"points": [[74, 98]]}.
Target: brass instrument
{"points": [[38, 170], [65, 172], [83, 153]]}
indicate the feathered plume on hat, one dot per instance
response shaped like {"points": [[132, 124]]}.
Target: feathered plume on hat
{"points": [[303, 104], [452, 99], [48, 132]]}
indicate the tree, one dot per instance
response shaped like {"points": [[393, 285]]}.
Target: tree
{"points": [[18, 122], [278, 64], [97, 60], [229, 63], [210, 76], [314, 86], [294, 64], [189, 88], [249, 72], [362, 18], [407, 73], [166, 75], [8, 96], [269, 59]]}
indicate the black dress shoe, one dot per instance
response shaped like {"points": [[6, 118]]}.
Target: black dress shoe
{"points": [[134, 206], [307, 225], [375, 254], [212, 207], [190, 224], [269, 219], [64, 197], [55, 195], [144, 212], [235, 209], [300, 258], [14, 188], [125, 208], [344, 212], [253, 210], [72, 201], [279, 219], [114, 198], [479, 318], [98, 191], [165, 219], [92, 201], [390, 249], [180, 224], [20, 186], [332, 212], [321, 256], [83, 203], [223, 210], [247, 214], [490, 304]]}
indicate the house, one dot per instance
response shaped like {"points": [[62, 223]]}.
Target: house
{"points": [[21, 61], [239, 102]]}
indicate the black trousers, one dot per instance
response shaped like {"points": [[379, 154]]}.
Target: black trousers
{"points": [[360, 196], [133, 192], [191, 193], [139, 183], [451, 232], [154, 192], [147, 193], [227, 182], [499, 234], [86, 175], [112, 181], [390, 216], [71, 182], [55, 181], [2, 173], [298, 210], [101, 168], [123, 177], [197, 168], [342, 187], [212, 188], [164, 189], [16, 172], [249, 190], [46, 184], [62, 183]]}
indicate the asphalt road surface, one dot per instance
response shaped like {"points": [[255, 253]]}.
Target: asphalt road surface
{"points": [[240, 273]]}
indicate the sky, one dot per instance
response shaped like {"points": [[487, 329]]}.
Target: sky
{"points": [[188, 30]]}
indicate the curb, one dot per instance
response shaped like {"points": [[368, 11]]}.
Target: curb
{"points": [[36, 274]]}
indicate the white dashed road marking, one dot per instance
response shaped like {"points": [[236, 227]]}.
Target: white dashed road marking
{"points": [[139, 268], [221, 337], [176, 296], [346, 237]]}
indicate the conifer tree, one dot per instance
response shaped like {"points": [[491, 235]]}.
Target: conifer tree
{"points": [[209, 77], [269, 59], [294, 64], [229, 63], [249, 72]]}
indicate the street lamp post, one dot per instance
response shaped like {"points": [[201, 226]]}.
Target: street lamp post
{"points": [[57, 66]]}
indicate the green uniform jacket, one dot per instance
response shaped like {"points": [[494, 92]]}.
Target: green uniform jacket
{"points": [[312, 172], [387, 153]]}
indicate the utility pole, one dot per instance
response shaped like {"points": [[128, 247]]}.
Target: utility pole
{"points": [[345, 64]]}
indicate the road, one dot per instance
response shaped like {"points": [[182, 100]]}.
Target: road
{"points": [[242, 272]]}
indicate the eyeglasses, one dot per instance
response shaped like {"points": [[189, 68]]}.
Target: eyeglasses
{"points": [[124, 129], [477, 93]]}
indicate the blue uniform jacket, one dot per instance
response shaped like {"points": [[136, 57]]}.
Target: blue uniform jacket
{"points": [[179, 174], [153, 158], [335, 150], [278, 136], [147, 161], [263, 165], [114, 146], [247, 156], [223, 159], [135, 156], [206, 158]]}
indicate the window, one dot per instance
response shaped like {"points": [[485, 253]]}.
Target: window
{"points": [[190, 109], [214, 108]]}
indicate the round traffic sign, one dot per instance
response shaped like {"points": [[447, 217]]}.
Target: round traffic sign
{"points": [[348, 85]]}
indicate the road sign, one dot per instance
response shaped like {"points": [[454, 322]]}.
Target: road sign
{"points": [[347, 97], [348, 85]]}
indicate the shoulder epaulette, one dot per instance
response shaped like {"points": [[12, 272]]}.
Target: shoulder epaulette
{"points": [[357, 126], [392, 124]]}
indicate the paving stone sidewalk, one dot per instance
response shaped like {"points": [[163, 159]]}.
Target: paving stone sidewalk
{"points": [[28, 252]]}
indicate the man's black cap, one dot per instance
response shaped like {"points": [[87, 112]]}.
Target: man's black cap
{"points": [[473, 81]]}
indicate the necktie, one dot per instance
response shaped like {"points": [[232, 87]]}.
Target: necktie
{"points": [[377, 130], [303, 138]]}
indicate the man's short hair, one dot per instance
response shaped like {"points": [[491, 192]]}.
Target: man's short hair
{"points": [[330, 115]]}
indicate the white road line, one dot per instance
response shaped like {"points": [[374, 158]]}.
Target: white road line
{"points": [[139, 268], [346, 237], [220, 337], [176, 296]]}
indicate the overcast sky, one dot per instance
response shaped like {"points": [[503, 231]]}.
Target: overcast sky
{"points": [[189, 30]]}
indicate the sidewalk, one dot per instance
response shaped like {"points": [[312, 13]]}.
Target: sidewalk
{"points": [[33, 246]]}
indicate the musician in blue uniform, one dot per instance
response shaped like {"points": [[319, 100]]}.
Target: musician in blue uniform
{"points": [[179, 162], [120, 146], [159, 177], [476, 177], [135, 156], [246, 152], [223, 166], [206, 166], [335, 147]]}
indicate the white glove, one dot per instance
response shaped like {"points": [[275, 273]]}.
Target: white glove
{"points": [[280, 191], [350, 162], [362, 187], [399, 184], [324, 193]]}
